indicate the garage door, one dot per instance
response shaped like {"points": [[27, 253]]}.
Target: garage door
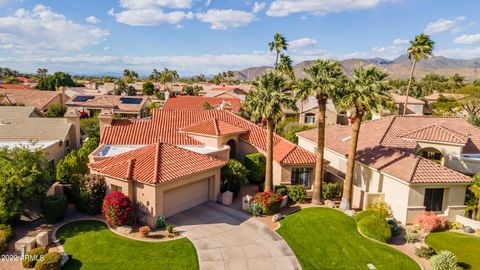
{"points": [[185, 197]]}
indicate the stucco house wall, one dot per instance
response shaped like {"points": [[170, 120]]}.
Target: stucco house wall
{"points": [[331, 117]]}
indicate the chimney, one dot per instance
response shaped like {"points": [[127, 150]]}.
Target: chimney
{"points": [[226, 105], [105, 118], [73, 117]]}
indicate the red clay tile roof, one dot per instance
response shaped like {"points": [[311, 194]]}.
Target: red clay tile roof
{"points": [[165, 126], [36, 98], [156, 163], [196, 102], [15, 87], [213, 127], [437, 133], [401, 99], [382, 145], [225, 88]]}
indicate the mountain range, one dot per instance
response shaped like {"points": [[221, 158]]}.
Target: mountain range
{"points": [[398, 68]]}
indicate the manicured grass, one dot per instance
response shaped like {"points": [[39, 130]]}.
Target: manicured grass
{"points": [[465, 247], [324, 238], [91, 245]]}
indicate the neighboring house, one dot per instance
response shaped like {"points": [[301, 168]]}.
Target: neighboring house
{"points": [[16, 86], [413, 163], [26, 125], [308, 113], [122, 106], [41, 100], [414, 105], [178, 155], [434, 97], [197, 103], [228, 91]]}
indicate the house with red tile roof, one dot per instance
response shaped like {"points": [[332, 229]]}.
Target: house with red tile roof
{"points": [[171, 162], [15, 86], [413, 163], [122, 106], [41, 100], [198, 103]]}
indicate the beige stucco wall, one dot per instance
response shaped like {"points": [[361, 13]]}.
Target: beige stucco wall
{"points": [[55, 101], [464, 165], [330, 116]]}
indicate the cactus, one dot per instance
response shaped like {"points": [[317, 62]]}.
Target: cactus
{"points": [[444, 260]]}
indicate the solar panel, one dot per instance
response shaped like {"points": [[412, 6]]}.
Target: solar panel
{"points": [[82, 98], [128, 100]]}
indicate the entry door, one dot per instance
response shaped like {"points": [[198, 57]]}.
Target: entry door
{"points": [[433, 199], [185, 197]]}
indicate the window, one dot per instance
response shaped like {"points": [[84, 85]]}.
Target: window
{"points": [[116, 188], [309, 118], [301, 176], [432, 154], [433, 200]]}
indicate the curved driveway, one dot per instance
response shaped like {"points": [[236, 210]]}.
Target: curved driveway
{"points": [[228, 239]]}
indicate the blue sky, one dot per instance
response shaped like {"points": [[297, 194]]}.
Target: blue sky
{"points": [[202, 36]]}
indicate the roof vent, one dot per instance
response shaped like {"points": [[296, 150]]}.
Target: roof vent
{"points": [[3, 123]]}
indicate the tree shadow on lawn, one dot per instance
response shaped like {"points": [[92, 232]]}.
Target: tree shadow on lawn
{"points": [[78, 228], [464, 265], [72, 264]]}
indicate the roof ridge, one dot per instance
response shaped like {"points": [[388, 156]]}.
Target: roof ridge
{"points": [[129, 175], [453, 132], [386, 131], [410, 178], [156, 165], [215, 125]]}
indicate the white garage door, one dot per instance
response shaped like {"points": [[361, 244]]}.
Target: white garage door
{"points": [[185, 197]]}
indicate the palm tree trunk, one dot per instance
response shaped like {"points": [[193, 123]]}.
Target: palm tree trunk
{"points": [[408, 87], [269, 161], [276, 60], [317, 184], [348, 183]]}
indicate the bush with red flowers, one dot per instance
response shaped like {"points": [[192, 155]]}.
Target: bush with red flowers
{"points": [[269, 201], [430, 222], [118, 209]]}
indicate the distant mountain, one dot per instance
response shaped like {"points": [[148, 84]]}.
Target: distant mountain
{"points": [[398, 68]]}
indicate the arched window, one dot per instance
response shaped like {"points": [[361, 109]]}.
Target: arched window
{"points": [[432, 154], [310, 118], [233, 148]]}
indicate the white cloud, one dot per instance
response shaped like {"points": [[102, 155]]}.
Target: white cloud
{"points": [[318, 7], [301, 43], [258, 6], [3, 2], [439, 26], [144, 4], [92, 19], [150, 17], [459, 53], [106, 48], [42, 30], [468, 39], [400, 41], [221, 19]]}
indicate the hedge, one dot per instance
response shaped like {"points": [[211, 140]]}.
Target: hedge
{"points": [[297, 194], [54, 208], [51, 261], [368, 213], [33, 256], [375, 228], [255, 164]]}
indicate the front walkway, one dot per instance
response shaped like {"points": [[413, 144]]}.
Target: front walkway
{"points": [[228, 239]]}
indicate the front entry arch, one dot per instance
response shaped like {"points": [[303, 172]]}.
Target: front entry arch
{"points": [[233, 148]]}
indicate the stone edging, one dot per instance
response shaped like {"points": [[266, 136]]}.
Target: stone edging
{"points": [[65, 255]]}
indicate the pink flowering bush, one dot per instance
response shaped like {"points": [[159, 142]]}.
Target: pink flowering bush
{"points": [[430, 222], [144, 230], [269, 201], [118, 209]]}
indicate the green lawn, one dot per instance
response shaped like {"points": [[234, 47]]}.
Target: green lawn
{"points": [[91, 245], [465, 247], [324, 238]]}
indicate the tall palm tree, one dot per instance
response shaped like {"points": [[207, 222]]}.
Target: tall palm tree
{"points": [[285, 66], [269, 95], [323, 80], [421, 47], [278, 43], [366, 92]]}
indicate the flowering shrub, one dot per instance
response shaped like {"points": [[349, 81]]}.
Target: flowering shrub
{"points": [[144, 230], [118, 209], [269, 201], [429, 222]]}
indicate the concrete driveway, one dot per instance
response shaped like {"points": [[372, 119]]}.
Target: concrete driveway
{"points": [[228, 239]]}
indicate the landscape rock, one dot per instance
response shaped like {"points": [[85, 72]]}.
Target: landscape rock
{"points": [[29, 241], [277, 217], [330, 204], [468, 229], [124, 229], [42, 239]]}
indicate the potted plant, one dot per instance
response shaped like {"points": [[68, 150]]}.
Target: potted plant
{"points": [[283, 192]]}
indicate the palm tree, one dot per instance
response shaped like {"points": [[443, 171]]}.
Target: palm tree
{"points": [[421, 47], [323, 80], [456, 81], [285, 66], [279, 42], [366, 92], [270, 94]]}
